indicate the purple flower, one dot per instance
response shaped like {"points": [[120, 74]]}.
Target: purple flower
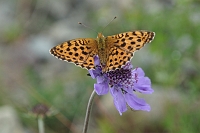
{"points": [[122, 83]]}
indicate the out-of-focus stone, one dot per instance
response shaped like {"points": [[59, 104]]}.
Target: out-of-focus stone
{"points": [[9, 123]]}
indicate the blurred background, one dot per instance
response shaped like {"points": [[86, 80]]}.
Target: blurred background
{"points": [[29, 75]]}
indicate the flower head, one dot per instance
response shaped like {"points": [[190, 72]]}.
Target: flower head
{"points": [[40, 110], [122, 83]]}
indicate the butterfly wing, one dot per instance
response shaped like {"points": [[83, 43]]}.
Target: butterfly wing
{"points": [[79, 51], [122, 47], [117, 58]]}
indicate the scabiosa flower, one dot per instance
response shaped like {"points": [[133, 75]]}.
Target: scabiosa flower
{"points": [[122, 83]]}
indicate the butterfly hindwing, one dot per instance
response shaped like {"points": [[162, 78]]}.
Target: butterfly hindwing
{"points": [[117, 58]]}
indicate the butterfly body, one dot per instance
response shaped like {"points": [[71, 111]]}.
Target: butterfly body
{"points": [[102, 49], [113, 51]]}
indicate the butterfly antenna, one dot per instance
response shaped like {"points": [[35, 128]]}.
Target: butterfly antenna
{"points": [[87, 27], [109, 23]]}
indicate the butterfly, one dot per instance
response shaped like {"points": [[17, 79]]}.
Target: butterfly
{"points": [[113, 51]]}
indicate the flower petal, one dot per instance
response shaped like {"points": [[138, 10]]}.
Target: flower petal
{"points": [[93, 73], [101, 88], [119, 100], [128, 65], [136, 103], [143, 85], [96, 60], [140, 72], [100, 79]]}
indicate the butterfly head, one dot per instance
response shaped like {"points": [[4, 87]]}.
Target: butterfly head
{"points": [[100, 35], [100, 39]]}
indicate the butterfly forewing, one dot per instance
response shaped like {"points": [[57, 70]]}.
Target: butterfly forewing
{"points": [[79, 51], [121, 47]]}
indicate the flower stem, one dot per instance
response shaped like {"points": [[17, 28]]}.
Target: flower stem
{"points": [[41, 124], [88, 111]]}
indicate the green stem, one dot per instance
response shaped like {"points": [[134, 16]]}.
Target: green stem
{"points": [[88, 111], [41, 124]]}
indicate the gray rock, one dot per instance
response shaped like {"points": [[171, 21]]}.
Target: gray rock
{"points": [[9, 122]]}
